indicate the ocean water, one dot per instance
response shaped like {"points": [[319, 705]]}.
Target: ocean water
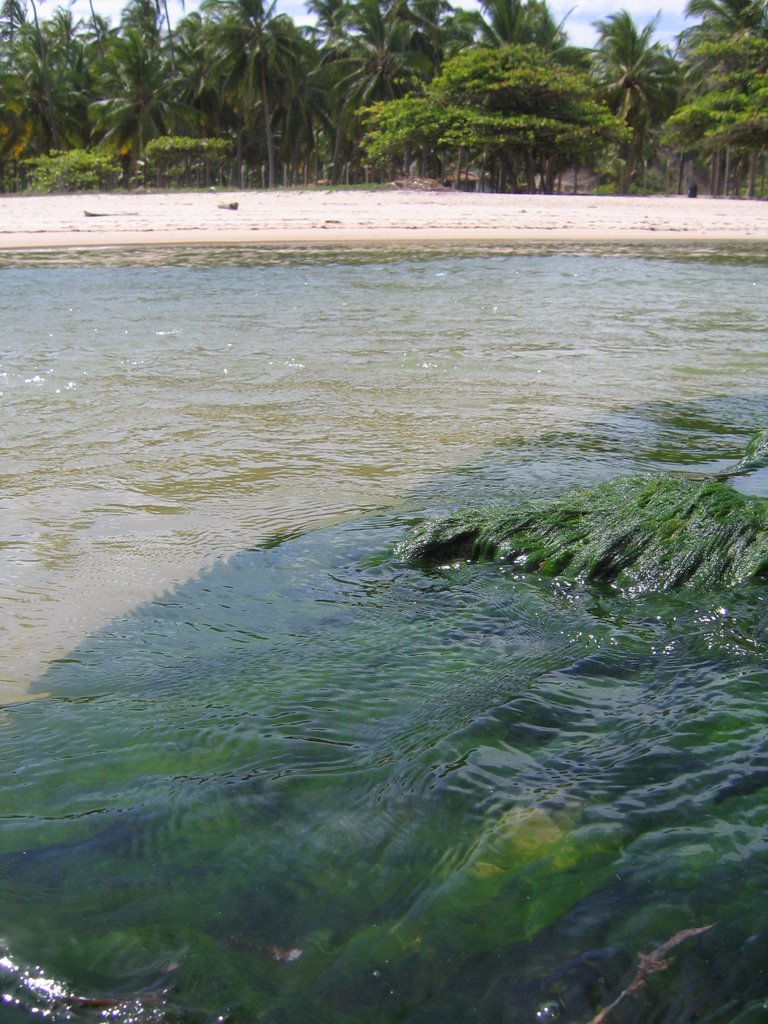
{"points": [[255, 767]]}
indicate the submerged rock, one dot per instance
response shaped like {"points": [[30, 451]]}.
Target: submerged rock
{"points": [[650, 532]]}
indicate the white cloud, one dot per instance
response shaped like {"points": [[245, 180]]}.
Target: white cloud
{"points": [[579, 23]]}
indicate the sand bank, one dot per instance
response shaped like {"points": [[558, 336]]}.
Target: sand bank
{"points": [[357, 216]]}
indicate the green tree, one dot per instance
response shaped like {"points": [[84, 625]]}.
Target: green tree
{"points": [[30, 106], [30, 82], [16, 124], [72, 71], [181, 162], [196, 70], [13, 14], [639, 79], [48, 109], [139, 101], [512, 106], [331, 21], [723, 116], [381, 56], [380, 60], [303, 113], [724, 19], [142, 16], [77, 170], [426, 30], [511, 22], [730, 115], [255, 52]]}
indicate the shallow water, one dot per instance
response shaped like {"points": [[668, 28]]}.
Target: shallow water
{"points": [[277, 774], [163, 408]]}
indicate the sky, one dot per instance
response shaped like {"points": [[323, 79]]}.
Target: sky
{"points": [[579, 23]]}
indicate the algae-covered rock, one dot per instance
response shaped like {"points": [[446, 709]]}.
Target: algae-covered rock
{"points": [[643, 532], [756, 455]]}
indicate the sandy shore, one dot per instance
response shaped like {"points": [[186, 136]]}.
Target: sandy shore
{"points": [[318, 216]]}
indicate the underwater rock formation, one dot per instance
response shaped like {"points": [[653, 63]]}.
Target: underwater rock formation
{"points": [[650, 532]]}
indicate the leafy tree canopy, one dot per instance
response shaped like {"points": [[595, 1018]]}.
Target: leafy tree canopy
{"points": [[512, 102], [734, 108]]}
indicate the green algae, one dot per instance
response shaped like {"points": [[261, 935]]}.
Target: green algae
{"points": [[649, 532], [520, 799], [756, 454]]}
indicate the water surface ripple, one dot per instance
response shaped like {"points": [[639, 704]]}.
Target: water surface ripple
{"points": [[274, 774], [157, 416]]}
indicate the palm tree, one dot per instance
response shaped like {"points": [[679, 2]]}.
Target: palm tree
{"points": [[379, 61], [461, 28], [725, 59], [300, 109], [16, 121], [72, 76], [144, 17], [639, 79], [424, 22], [197, 82], [12, 14], [722, 19], [508, 22], [331, 20], [31, 63], [139, 101], [513, 22], [46, 79], [96, 31], [170, 37], [255, 50]]}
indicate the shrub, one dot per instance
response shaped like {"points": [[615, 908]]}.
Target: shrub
{"points": [[78, 170], [177, 162]]}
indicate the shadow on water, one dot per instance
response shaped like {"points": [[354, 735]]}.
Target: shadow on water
{"points": [[316, 783]]}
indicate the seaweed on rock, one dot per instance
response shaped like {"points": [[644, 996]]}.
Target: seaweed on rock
{"points": [[651, 532], [756, 454]]}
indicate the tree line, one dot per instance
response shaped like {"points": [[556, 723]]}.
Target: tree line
{"points": [[236, 94]]}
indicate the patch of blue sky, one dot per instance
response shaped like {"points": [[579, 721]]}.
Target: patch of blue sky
{"points": [[579, 18]]}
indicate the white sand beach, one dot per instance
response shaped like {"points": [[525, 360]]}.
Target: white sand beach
{"points": [[367, 216]]}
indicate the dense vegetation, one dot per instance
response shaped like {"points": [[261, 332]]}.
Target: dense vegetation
{"points": [[237, 94]]}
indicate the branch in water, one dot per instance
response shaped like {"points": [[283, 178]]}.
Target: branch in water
{"points": [[650, 963]]}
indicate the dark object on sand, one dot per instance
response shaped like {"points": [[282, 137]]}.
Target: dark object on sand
{"points": [[228, 206], [651, 532], [90, 213]]}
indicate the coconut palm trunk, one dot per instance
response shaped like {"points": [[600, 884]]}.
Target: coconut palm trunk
{"points": [[51, 112], [269, 138]]}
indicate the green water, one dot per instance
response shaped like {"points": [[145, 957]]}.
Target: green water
{"points": [[311, 782]]}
